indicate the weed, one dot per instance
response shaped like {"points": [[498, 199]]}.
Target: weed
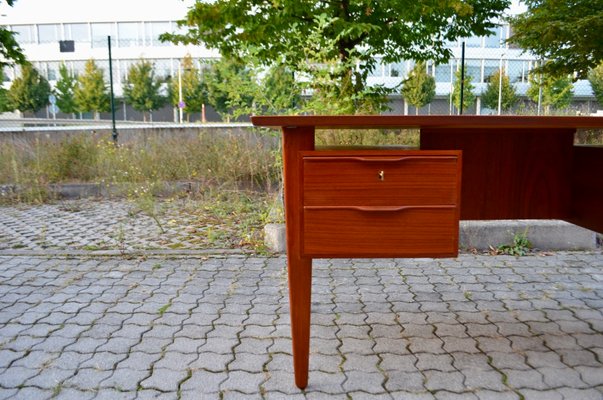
{"points": [[164, 308], [468, 295], [156, 266], [520, 246]]}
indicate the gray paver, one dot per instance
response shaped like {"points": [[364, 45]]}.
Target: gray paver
{"points": [[388, 345]]}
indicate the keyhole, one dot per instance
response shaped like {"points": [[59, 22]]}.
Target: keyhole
{"points": [[381, 175]]}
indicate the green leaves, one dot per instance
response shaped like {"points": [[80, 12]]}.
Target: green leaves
{"points": [[556, 91], [142, 89], [595, 77], [508, 95], [334, 44], [65, 89], [468, 96], [30, 91], [419, 88], [91, 93], [568, 34]]}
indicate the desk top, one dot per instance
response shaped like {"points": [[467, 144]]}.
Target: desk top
{"points": [[427, 121]]}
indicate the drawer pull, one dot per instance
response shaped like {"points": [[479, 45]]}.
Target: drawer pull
{"points": [[379, 208], [381, 175]]}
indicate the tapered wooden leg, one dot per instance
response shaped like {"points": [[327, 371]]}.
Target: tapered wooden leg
{"points": [[295, 140], [300, 288]]}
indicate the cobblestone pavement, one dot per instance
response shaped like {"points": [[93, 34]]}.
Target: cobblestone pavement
{"points": [[476, 327], [98, 225]]}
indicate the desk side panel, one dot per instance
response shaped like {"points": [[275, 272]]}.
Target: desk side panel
{"points": [[510, 173], [587, 188]]}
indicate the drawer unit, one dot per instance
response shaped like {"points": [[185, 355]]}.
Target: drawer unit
{"points": [[380, 204]]}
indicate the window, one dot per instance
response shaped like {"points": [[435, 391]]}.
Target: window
{"points": [[129, 34], [517, 71], [48, 33], [100, 33], [397, 69], [473, 68], [489, 70], [24, 33], [152, 30], [378, 70], [494, 40], [77, 32], [443, 73], [473, 41]]}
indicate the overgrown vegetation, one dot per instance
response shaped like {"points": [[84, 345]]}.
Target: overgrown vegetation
{"points": [[244, 159]]}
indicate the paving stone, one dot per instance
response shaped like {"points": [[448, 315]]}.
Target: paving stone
{"points": [[358, 362], [212, 362], [50, 378], [87, 379], [243, 381], [164, 380], [125, 379], [436, 380], [16, 377], [405, 381]]}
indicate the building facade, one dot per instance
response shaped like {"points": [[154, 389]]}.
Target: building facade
{"points": [[135, 26]]}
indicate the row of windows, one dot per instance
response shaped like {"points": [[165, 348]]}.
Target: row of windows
{"points": [[123, 34], [479, 70], [129, 34]]}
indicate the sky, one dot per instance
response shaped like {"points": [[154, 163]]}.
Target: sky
{"points": [[40, 11]]}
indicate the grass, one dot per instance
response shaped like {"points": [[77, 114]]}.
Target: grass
{"points": [[250, 159]]}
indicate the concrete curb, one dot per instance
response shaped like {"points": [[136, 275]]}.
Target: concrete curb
{"points": [[126, 253], [543, 234]]}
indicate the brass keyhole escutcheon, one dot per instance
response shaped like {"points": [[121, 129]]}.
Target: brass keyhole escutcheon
{"points": [[381, 175]]}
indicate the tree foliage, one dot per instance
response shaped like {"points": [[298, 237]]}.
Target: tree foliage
{"points": [[595, 77], [343, 33], [4, 102], [468, 96], [194, 91], [10, 51], [556, 91], [279, 91], [419, 88], [231, 88], [64, 90], [91, 93], [30, 91], [508, 94], [568, 33], [142, 89]]}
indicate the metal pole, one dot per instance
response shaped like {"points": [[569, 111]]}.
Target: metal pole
{"points": [[462, 79], [114, 131], [180, 108], [500, 80]]}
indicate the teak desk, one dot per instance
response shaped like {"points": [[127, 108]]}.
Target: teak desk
{"points": [[400, 203]]}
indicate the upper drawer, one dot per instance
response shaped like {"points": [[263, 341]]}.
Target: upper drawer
{"points": [[381, 178]]}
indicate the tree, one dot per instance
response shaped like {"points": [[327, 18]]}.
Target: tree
{"points": [[10, 51], [279, 92], [64, 90], [194, 91], [468, 96], [508, 94], [30, 91], [231, 88], [142, 89], [556, 92], [349, 33], [595, 77], [568, 33], [4, 102], [419, 88], [91, 91]]}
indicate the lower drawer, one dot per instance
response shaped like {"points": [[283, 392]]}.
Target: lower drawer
{"points": [[350, 231]]}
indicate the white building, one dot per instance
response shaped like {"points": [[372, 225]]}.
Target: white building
{"points": [[134, 27]]}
